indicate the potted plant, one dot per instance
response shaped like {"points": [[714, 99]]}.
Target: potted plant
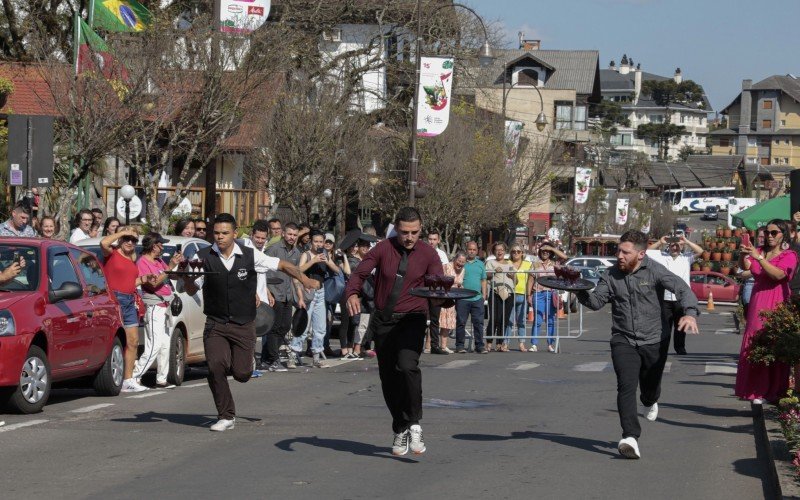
{"points": [[6, 88], [720, 231], [725, 268], [737, 232], [726, 232], [696, 265], [705, 266], [712, 245], [732, 244], [716, 255], [706, 255], [727, 255]]}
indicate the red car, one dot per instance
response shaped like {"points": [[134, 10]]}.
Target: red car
{"points": [[724, 288], [58, 321]]}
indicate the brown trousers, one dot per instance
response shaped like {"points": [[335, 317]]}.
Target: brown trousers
{"points": [[230, 350]]}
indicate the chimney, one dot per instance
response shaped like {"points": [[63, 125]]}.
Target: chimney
{"points": [[531, 44], [677, 77], [520, 38], [624, 69], [744, 116], [637, 83], [612, 65]]}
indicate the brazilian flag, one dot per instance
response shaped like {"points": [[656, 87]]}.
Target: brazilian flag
{"points": [[121, 15]]}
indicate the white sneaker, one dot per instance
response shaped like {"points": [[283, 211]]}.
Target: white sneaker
{"points": [[417, 444], [758, 401], [223, 425], [550, 348], [629, 448], [131, 385], [533, 348], [400, 444], [651, 412]]}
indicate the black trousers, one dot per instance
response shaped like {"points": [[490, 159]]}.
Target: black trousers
{"points": [[636, 365], [671, 312], [271, 343], [398, 343], [433, 328], [229, 351]]}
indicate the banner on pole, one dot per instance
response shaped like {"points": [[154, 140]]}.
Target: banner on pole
{"points": [[513, 133], [622, 210], [433, 95], [242, 16], [646, 227], [582, 177]]}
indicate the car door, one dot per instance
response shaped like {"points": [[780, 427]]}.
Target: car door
{"points": [[193, 315], [70, 318], [105, 310], [697, 282], [721, 287]]}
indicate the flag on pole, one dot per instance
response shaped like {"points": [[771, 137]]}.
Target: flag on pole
{"points": [[121, 15], [622, 210], [95, 55], [433, 95]]}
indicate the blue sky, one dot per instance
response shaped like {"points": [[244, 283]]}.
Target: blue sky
{"points": [[716, 43]]}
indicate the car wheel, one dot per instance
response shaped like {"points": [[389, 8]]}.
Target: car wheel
{"points": [[108, 381], [34, 383], [177, 358]]}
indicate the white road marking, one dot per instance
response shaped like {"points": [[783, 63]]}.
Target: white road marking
{"points": [[526, 366], [726, 331], [720, 368], [199, 384], [147, 394], [668, 367], [596, 366], [21, 425], [87, 409], [461, 363], [337, 362]]}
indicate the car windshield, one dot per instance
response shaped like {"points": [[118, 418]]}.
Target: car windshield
{"points": [[589, 273], [28, 279]]}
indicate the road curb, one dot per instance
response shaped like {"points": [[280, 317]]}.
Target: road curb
{"points": [[781, 473]]}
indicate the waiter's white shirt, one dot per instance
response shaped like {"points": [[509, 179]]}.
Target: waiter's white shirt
{"points": [[442, 256], [263, 263], [679, 266], [261, 278]]}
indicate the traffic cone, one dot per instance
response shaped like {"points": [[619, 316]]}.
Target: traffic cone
{"points": [[561, 313], [530, 314], [710, 303]]}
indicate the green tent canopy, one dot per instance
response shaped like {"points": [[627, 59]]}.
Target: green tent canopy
{"points": [[758, 215]]}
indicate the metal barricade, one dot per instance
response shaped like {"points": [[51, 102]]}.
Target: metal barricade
{"points": [[544, 308]]}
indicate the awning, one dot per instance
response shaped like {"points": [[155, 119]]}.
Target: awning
{"points": [[758, 215]]}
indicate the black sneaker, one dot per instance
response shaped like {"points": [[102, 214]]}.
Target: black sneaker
{"points": [[438, 350], [401, 443], [277, 367]]}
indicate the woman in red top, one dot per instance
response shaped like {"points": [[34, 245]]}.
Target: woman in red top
{"points": [[123, 278]]}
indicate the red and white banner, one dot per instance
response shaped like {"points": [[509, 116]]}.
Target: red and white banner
{"points": [[513, 133], [622, 210], [582, 178], [433, 95], [242, 16]]}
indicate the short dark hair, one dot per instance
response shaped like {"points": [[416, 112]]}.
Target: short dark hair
{"points": [[638, 238], [22, 206], [149, 241], [303, 225], [224, 218], [273, 221], [198, 220], [435, 231], [291, 225], [108, 223], [97, 211], [260, 225], [80, 215], [407, 214], [317, 232]]}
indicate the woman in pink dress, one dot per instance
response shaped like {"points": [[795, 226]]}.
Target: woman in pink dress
{"points": [[772, 266], [447, 318]]}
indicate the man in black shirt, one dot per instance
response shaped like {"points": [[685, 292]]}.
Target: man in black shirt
{"points": [[229, 303]]}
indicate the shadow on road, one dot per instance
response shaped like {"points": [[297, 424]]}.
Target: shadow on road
{"points": [[593, 445], [354, 447], [190, 419]]}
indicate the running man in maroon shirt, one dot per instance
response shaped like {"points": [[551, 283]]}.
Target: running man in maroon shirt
{"points": [[399, 322]]}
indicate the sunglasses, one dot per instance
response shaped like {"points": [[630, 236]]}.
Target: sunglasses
{"points": [[516, 251], [773, 233]]}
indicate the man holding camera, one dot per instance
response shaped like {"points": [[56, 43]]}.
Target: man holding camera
{"points": [[671, 252]]}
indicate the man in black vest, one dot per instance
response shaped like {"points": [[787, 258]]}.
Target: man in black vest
{"points": [[229, 303]]}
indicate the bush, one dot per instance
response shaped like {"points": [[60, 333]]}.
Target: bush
{"points": [[779, 338], [6, 86]]}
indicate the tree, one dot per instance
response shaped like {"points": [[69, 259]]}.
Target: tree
{"points": [[665, 93], [685, 152], [611, 115], [662, 135]]}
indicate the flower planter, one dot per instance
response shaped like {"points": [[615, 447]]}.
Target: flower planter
{"points": [[737, 233], [712, 245], [726, 233], [706, 268], [716, 256], [719, 233], [725, 270], [706, 255], [727, 256], [695, 267]]}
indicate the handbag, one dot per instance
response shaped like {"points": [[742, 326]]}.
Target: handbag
{"points": [[334, 287]]}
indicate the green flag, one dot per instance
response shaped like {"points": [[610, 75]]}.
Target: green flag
{"points": [[94, 55], [121, 15]]}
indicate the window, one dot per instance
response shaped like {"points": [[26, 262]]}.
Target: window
{"points": [[528, 77], [785, 160], [563, 115], [764, 160], [92, 272], [656, 118], [776, 161], [724, 142], [61, 270], [580, 118], [783, 123], [788, 142], [764, 142], [767, 104], [698, 278], [766, 123], [683, 119]]}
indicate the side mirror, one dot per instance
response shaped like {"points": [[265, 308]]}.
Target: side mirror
{"points": [[69, 290]]}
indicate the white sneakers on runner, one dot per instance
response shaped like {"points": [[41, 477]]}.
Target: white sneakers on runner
{"points": [[629, 448], [223, 425], [651, 412], [417, 444], [400, 444]]}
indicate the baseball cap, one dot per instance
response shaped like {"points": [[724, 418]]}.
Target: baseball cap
{"points": [[329, 237]]}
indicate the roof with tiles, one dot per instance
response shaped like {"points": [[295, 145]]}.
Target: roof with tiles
{"points": [[32, 94]]}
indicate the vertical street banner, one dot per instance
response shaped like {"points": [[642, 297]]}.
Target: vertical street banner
{"points": [[582, 177], [433, 95], [622, 210], [513, 133], [242, 16], [646, 227]]}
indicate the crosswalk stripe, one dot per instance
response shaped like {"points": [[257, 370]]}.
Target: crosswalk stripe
{"points": [[720, 368], [147, 394], [20, 425], [199, 384], [726, 331], [596, 366], [668, 367], [461, 363], [87, 409], [525, 366]]}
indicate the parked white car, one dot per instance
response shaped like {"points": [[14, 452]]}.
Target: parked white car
{"points": [[187, 327]]}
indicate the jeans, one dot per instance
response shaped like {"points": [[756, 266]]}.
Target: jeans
{"points": [[317, 323], [465, 308], [636, 365], [156, 344], [545, 312], [517, 317]]}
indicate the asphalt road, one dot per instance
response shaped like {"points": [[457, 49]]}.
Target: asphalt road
{"points": [[502, 425]]}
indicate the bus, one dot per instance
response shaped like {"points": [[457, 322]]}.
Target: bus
{"points": [[697, 199]]}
